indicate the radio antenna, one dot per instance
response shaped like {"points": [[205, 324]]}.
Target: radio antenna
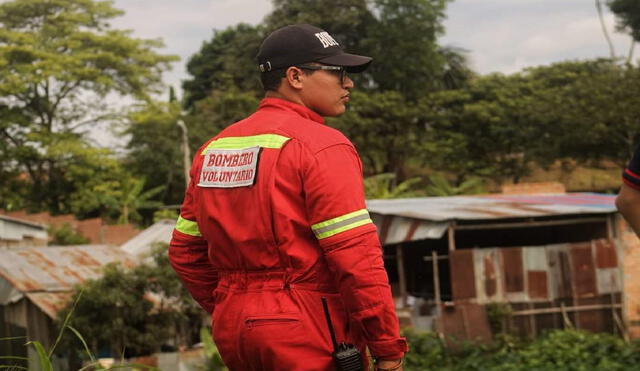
{"points": [[328, 316]]}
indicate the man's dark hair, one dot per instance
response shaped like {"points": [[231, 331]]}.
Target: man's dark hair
{"points": [[271, 80]]}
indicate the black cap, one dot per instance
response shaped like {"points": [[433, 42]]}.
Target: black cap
{"points": [[303, 43]]}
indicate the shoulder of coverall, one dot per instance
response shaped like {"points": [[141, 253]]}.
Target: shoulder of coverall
{"points": [[291, 120], [299, 123]]}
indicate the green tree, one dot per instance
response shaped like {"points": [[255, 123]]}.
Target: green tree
{"points": [[589, 110], [136, 310], [115, 311], [154, 150], [131, 196], [403, 41], [497, 124], [59, 60], [383, 185], [386, 130], [217, 111], [225, 62], [440, 186], [628, 14], [65, 235]]}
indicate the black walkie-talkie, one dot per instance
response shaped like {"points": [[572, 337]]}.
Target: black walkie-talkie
{"points": [[347, 356]]}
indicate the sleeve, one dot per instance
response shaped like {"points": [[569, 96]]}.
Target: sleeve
{"points": [[631, 175], [341, 223], [188, 253]]}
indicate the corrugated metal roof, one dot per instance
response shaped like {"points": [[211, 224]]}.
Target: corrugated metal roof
{"points": [[17, 229], [54, 269], [50, 302], [144, 241], [486, 207], [23, 222]]}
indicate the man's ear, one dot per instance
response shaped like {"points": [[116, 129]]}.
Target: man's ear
{"points": [[294, 77]]}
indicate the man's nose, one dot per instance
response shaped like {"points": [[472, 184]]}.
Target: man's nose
{"points": [[347, 83]]}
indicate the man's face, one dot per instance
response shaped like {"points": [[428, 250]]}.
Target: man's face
{"points": [[325, 93]]}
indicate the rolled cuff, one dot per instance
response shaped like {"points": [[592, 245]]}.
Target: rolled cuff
{"points": [[389, 349], [631, 179]]}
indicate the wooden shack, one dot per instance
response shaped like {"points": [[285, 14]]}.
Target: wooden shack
{"points": [[533, 262]]}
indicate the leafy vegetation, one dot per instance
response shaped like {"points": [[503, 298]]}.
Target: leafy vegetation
{"points": [[561, 350], [213, 360], [384, 186], [440, 186], [60, 60], [45, 357], [135, 311], [65, 235]]}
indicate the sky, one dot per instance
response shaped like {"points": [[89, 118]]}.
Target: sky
{"points": [[499, 35]]}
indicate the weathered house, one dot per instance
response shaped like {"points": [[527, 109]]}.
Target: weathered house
{"points": [[15, 232], [35, 283], [558, 260]]}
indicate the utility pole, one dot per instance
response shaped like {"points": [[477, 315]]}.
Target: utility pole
{"points": [[185, 152]]}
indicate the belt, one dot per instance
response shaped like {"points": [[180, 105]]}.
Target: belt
{"points": [[267, 280]]}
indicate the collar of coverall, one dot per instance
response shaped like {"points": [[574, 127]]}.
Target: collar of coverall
{"points": [[283, 104]]}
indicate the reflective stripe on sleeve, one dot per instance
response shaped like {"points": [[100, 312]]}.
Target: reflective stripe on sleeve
{"points": [[262, 140], [342, 223], [187, 227]]}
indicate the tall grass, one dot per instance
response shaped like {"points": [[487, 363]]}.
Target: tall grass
{"points": [[45, 362]]}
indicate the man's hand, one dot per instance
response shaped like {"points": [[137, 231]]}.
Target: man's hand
{"points": [[395, 365]]}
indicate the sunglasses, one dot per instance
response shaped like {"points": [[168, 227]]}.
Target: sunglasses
{"points": [[339, 71]]}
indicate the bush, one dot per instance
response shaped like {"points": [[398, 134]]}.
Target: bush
{"points": [[557, 350], [65, 235]]}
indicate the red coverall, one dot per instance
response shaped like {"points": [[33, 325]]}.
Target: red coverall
{"points": [[274, 219]]}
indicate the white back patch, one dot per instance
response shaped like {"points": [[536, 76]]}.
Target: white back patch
{"points": [[229, 168]]}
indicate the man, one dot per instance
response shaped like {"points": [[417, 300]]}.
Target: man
{"points": [[274, 220], [628, 200]]}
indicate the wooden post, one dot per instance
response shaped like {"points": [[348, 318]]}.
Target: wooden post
{"points": [[565, 317], [402, 279], [451, 235], [465, 322], [436, 279], [611, 233], [532, 322]]}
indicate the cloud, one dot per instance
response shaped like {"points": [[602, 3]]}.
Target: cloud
{"points": [[185, 25], [506, 36]]}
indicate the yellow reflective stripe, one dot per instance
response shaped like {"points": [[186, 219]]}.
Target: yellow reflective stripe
{"points": [[187, 227], [340, 224], [262, 140]]}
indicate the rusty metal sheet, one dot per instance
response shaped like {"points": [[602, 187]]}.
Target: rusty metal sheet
{"points": [[396, 229], [488, 272], [494, 206], [58, 268], [513, 269], [560, 269], [609, 280], [463, 279], [583, 270], [537, 284], [465, 321], [606, 255], [547, 321], [598, 320], [535, 258], [50, 302], [490, 276]]}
